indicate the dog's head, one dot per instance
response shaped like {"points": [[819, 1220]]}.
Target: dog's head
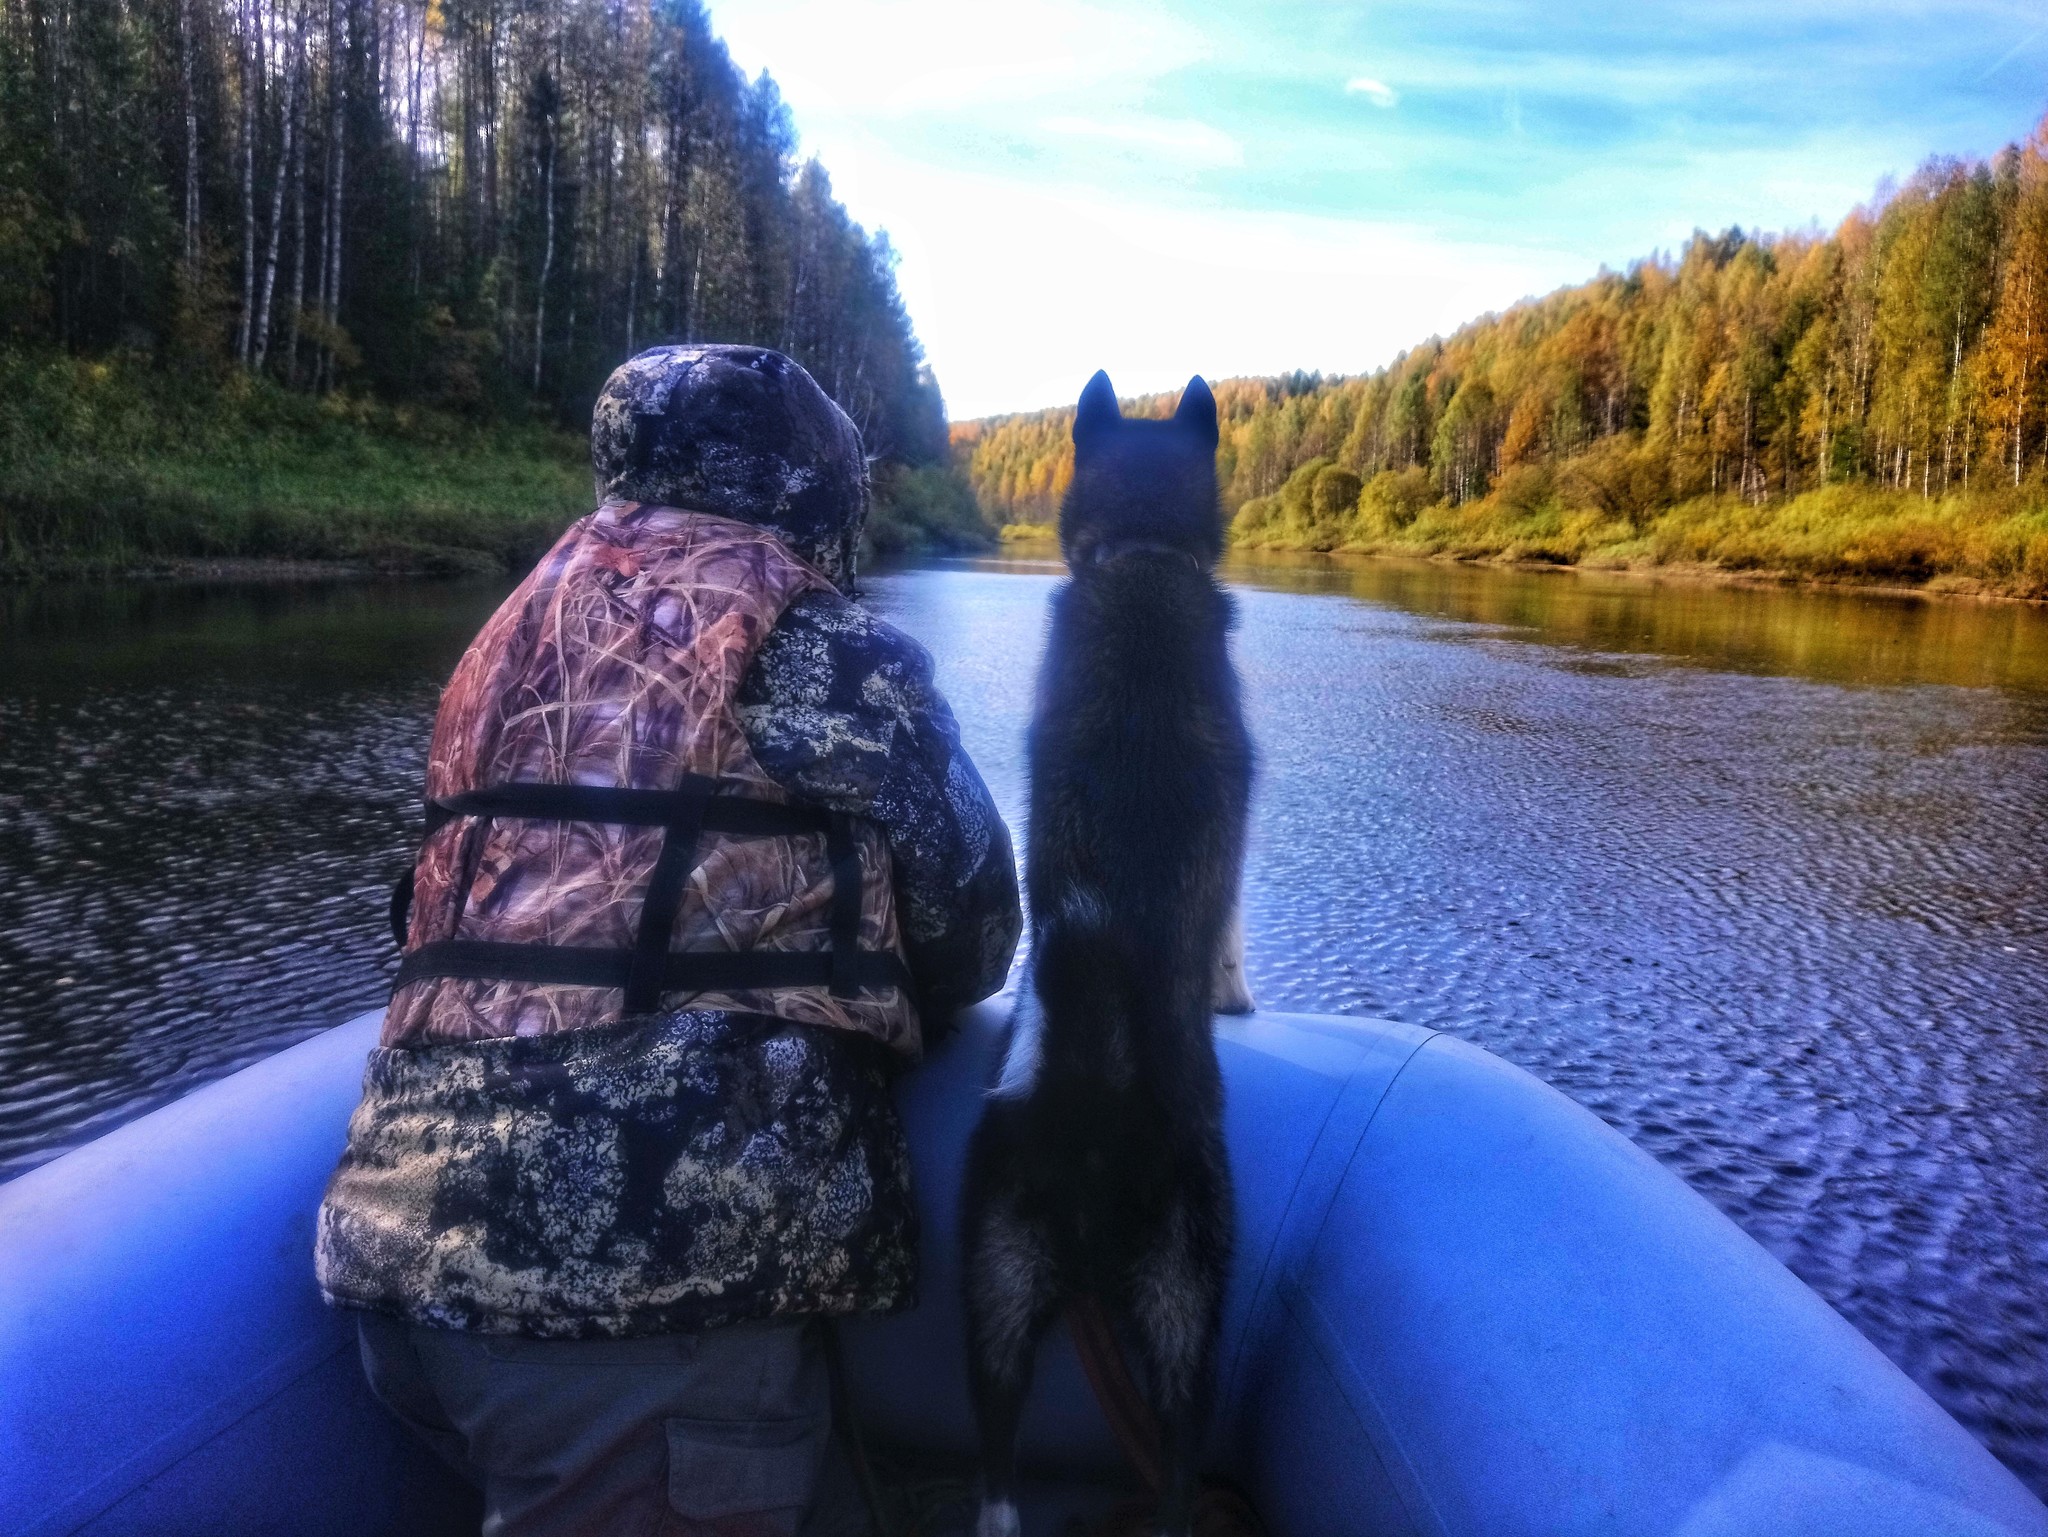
{"points": [[1142, 485]]}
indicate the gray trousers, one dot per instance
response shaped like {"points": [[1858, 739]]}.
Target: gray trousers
{"points": [[727, 1433]]}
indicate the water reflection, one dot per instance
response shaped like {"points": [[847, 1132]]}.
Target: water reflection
{"points": [[65, 637], [1869, 638], [1834, 634]]}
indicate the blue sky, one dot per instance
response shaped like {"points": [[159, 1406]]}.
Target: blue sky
{"points": [[1231, 188]]}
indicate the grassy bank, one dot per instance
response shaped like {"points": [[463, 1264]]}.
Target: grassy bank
{"points": [[1984, 541], [929, 508], [116, 467]]}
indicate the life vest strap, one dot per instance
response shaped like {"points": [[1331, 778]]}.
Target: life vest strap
{"points": [[738, 814], [844, 854], [650, 969], [694, 971], [663, 901]]}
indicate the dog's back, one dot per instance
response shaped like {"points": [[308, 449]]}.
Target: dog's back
{"points": [[1099, 1166], [1139, 770]]}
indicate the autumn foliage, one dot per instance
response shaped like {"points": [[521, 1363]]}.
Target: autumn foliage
{"points": [[1870, 404]]}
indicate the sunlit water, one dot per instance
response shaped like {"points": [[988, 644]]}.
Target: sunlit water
{"points": [[1759, 876]]}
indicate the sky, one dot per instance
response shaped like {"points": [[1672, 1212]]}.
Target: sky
{"points": [[1226, 187]]}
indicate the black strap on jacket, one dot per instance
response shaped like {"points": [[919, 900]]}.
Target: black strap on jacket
{"points": [[650, 968]]}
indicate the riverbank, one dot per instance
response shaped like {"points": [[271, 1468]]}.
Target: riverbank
{"points": [[1990, 543], [116, 468], [1984, 546], [1031, 538]]}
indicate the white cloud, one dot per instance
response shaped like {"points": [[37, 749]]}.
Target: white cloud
{"points": [[1378, 92]]}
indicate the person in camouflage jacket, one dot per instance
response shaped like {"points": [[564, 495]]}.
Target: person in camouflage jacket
{"points": [[588, 1243]]}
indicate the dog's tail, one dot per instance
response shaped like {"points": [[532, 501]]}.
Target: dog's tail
{"points": [[1080, 969], [1071, 964]]}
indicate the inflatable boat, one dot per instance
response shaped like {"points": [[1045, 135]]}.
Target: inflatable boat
{"points": [[1462, 1307]]}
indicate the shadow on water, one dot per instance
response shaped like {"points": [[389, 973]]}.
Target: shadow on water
{"points": [[334, 634]]}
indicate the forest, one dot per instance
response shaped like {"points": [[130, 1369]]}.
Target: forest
{"points": [[277, 275], [1868, 405]]}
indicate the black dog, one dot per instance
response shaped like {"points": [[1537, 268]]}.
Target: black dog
{"points": [[1098, 1167]]}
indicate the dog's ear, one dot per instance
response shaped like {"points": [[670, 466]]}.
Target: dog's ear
{"points": [[1197, 411], [1098, 411]]}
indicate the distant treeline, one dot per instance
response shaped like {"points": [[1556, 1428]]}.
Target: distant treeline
{"points": [[1870, 404], [466, 204]]}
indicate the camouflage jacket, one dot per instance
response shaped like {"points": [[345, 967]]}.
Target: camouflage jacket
{"points": [[703, 1166]]}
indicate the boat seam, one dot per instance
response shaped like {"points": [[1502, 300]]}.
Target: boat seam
{"points": [[1359, 1141], [1386, 1446], [1261, 1289]]}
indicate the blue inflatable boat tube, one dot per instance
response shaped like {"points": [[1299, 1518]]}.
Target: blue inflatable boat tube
{"points": [[1462, 1307]]}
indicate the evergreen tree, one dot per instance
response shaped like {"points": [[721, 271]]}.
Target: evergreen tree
{"points": [[470, 203]]}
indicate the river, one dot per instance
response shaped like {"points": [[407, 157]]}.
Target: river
{"points": [[1757, 875]]}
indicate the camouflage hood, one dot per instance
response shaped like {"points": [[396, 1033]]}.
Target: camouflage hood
{"points": [[737, 432]]}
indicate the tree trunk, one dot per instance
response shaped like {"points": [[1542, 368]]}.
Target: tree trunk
{"points": [[632, 297], [245, 329], [320, 241], [290, 114], [2019, 399], [337, 158], [661, 267], [1955, 376], [191, 251], [1827, 427], [547, 261], [412, 143], [291, 361], [1748, 438]]}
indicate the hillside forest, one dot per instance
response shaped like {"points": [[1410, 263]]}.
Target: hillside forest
{"points": [[1868, 405], [362, 248]]}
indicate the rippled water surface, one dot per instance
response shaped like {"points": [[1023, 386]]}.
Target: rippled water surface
{"points": [[1757, 875]]}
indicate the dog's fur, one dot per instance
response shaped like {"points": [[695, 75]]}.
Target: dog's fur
{"points": [[1098, 1167]]}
